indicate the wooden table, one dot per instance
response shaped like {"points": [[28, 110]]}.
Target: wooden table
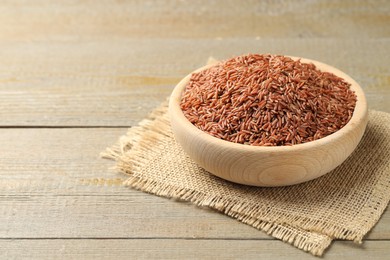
{"points": [[74, 75]]}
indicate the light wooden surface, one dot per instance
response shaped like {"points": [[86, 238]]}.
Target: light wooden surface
{"points": [[75, 74]]}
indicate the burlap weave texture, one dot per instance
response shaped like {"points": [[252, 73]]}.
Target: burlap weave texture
{"points": [[345, 203]]}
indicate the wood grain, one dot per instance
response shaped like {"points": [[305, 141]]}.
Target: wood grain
{"points": [[24, 20], [117, 83], [180, 249], [63, 190]]}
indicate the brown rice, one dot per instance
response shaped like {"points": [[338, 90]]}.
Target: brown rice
{"points": [[267, 100]]}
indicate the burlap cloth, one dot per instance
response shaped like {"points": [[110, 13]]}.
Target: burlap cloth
{"points": [[343, 204]]}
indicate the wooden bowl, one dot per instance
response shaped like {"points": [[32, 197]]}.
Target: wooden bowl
{"points": [[269, 166]]}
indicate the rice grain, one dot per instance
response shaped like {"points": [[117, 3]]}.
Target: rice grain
{"points": [[267, 100]]}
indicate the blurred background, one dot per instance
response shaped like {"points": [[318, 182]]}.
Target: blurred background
{"points": [[109, 62]]}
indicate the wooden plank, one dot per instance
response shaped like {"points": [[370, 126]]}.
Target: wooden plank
{"points": [[181, 249], [63, 20], [116, 83], [54, 185]]}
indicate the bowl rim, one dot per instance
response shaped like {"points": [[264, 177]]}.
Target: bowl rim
{"points": [[359, 114]]}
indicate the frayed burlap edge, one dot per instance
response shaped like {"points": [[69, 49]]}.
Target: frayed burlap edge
{"points": [[282, 232], [129, 153], [306, 234], [146, 134]]}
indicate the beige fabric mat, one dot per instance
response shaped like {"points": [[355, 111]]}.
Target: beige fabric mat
{"points": [[345, 203]]}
